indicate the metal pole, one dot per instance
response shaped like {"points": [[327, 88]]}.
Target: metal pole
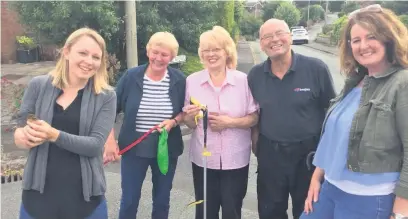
{"points": [[205, 188], [308, 9], [205, 154], [131, 34], [325, 12]]}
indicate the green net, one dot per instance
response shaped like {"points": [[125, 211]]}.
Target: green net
{"points": [[163, 152]]}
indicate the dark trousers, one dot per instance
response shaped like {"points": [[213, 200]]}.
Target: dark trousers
{"points": [[100, 212], [282, 170], [225, 188], [133, 171]]}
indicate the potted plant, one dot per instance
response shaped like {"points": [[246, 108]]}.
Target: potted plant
{"points": [[27, 50]]}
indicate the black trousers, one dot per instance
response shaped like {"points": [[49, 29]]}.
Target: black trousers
{"points": [[225, 188], [282, 170]]}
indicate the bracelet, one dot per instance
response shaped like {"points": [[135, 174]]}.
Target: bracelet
{"points": [[176, 121]]}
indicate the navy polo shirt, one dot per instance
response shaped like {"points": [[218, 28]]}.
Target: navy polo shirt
{"points": [[292, 109]]}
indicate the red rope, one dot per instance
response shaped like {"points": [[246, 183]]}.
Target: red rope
{"points": [[124, 150]]}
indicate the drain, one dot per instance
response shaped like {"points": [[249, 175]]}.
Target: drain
{"points": [[11, 178]]}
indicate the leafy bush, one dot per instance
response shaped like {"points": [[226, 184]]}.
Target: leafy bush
{"points": [[193, 63], [337, 29], [340, 14], [327, 28], [316, 13], [249, 25], [25, 42]]}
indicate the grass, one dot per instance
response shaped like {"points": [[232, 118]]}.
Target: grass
{"points": [[193, 63]]}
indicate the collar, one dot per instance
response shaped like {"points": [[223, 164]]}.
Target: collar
{"points": [[143, 68], [293, 66], [230, 77], [355, 78], [391, 70]]}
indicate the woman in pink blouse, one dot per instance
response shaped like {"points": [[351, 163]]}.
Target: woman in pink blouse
{"points": [[232, 112]]}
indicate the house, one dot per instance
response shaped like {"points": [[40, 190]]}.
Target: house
{"points": [[254, 7], [10, 28]]}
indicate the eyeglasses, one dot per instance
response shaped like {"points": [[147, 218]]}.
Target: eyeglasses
{"points": [[279, 34], [376, 8], [216, 50]]}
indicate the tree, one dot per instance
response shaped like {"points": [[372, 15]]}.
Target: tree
{"points": [[335, 6], [350, 7], [238, 11], [269, 9], [227, 15], [250, 25], [316, 13], [55, 20], [196, 18], [398, 7], [289, 13]]}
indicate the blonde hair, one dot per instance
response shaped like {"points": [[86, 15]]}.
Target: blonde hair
{"points": [[386, 27], [164, 39], [60, 73], [218, 35]]}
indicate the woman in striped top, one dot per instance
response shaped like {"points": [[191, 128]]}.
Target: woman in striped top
{"points": [[149, 95]]}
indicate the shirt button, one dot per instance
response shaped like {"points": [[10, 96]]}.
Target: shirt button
{"points": [[350, 167]]}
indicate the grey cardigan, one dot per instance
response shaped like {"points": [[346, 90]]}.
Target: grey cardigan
{"points": [[96, 121]]}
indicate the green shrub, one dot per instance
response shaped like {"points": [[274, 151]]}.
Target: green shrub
{"points": [[193, 63], [341, 14], [327, 28], [337, 29], [404, 19]]}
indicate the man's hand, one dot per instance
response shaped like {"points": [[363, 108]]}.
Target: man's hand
{"points": [[219, 122]]}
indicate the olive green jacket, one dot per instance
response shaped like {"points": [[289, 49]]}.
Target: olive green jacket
{"points": [[379, 130]]}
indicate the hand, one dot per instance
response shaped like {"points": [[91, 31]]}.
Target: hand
{"points": [[219, 122], [191, 111], [168, 124], [44, 130], [253, 147], [111, 152], [23, 139], [313, 195]]}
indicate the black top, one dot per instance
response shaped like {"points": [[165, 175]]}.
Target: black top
{"points": [[292, 109], [63, 196]]}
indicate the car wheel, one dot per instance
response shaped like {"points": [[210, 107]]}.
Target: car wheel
{"points": [[307, 41]]}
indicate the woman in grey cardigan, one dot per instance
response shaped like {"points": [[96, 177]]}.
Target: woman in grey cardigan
{"points": [[64, 120]]}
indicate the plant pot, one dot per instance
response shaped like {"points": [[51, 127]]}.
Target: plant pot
{"points": [[28, 56]]}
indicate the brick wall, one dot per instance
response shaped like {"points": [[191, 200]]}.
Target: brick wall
{"points": [[10, 28]]}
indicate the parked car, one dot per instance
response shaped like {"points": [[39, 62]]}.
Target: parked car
{"points": [[300, 36], [297, 27]]}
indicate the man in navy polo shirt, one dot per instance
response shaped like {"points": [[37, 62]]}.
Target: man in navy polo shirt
{"points": [[293, 92]]}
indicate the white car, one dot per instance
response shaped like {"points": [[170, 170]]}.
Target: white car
{"points": [[300, 35]]}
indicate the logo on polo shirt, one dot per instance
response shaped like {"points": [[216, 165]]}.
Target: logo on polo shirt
{"points": [[301, 89]]}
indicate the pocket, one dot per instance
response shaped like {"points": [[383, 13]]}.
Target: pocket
{"points": [[381, 118]]}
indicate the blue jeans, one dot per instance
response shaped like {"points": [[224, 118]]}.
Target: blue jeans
{"points": [[133, 171], [101, 212], [333, 203]]}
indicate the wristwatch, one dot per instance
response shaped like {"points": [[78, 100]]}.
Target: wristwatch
{"points": [[398, 216]]}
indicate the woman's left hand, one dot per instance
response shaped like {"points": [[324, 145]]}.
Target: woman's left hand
{"points": [[47, 131], [219, 122], [168, 124]]}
